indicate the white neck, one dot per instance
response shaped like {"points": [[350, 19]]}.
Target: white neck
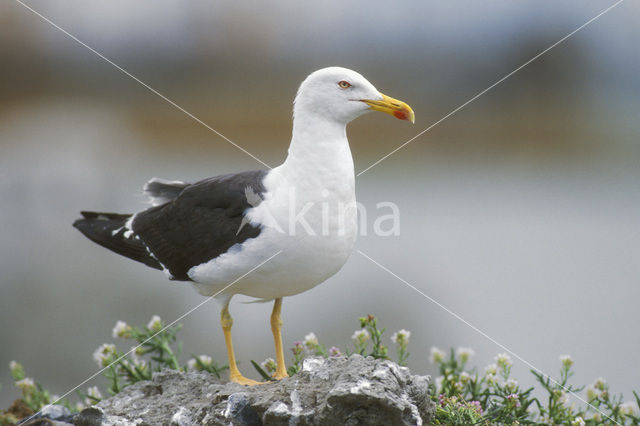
{"points": [[319, 146], [317, 178]]}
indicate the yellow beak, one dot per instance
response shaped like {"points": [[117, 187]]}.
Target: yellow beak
{"points": [[393, 107]]}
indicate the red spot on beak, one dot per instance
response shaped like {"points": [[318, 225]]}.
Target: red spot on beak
{"points": [[400, 115]]}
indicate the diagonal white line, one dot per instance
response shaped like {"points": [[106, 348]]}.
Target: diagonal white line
{"points": [[190, 311], [490, 87], [127, 73], [476, 329]]}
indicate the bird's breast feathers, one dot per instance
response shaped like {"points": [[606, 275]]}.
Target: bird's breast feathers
{"points": [[313, 227]]}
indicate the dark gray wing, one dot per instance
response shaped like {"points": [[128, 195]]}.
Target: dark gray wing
{"points": [[200, 223]]}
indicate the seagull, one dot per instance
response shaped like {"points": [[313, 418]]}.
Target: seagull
{"points": [[283, 230]]}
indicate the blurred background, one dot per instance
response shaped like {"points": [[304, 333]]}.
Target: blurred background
{"points": [[521, 212]]}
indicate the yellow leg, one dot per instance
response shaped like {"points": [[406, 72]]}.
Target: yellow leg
{"points": [[276, 326], [234, 374]]}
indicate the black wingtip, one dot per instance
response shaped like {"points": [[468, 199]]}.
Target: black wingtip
{"points": [[107, 230], [81, 223], [88, 215], [104, 216]]}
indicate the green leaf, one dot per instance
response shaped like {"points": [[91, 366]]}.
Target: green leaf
{"points": [[263, 373]]}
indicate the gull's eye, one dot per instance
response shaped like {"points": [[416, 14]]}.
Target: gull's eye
{"points": [[344, 84]]}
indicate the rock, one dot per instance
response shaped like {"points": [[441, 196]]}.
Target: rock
{"points": [[346, 391], [91, 416], [57, 415]]}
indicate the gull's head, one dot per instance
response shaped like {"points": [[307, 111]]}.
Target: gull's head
{"points": [[340, 94]]}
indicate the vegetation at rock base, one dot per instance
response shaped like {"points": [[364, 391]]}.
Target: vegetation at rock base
{"points": [[467, 396], [463, 394]]}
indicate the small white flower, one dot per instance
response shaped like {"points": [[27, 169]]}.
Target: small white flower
{"points": [[464, 377], [564, 399], [269, 365], [121, 329], [578, 421], [310, 340], [192, 364], [155, 323], [511, 384], [592, 393], [79, 406], [361, 335], [94, 392], [503, 360], [103, 354], [464, 354], [566, 360], [491, 369], [491, 379], [26, 384], [16, 369], [629, 407], [205, 360], [437, 355], [401, 336], [599, 383], [54, 398], [596, 389], [596, 417]]}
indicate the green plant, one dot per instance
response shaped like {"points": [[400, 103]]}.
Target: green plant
{"points": [[367, 341], [489, 397], [33, 396], [465, 396], [401, 339], [369, 327], [157, 348]]}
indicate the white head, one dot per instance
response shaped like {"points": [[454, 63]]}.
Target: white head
{"points": [[341, 95]]}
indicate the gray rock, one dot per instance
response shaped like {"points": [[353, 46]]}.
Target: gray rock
{"points": [[50, 415], [347, 391], [91, 416]]}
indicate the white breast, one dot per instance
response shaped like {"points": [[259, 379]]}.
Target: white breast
{"points": [[308, 215]]}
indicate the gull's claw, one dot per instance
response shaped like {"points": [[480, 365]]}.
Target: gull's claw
{"points": [[280, 376], [240, 379]]}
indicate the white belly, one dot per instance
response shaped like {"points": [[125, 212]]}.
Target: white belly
{"points": [[309, 226]]}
